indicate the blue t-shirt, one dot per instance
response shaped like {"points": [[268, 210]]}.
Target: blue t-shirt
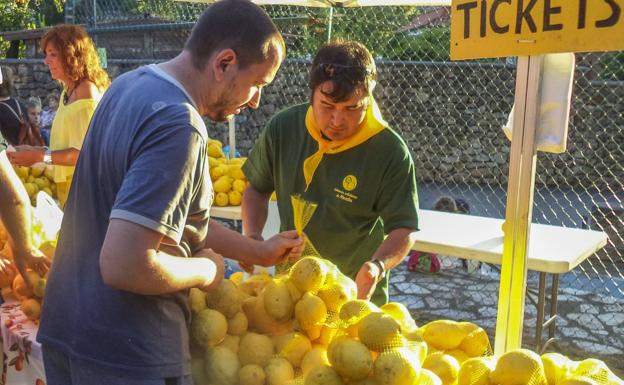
{"points": [[143, 160]]}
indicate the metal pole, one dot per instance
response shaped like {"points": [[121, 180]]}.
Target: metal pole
{"points": [[232, 136], [330, 24], [519, 209]]}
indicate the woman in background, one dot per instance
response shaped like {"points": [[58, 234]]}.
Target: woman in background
{"points": [[72, 59]]}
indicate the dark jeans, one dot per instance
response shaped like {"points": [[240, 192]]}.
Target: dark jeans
{"points": [[60, 369]]}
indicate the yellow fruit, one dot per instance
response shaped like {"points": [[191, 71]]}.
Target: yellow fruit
{"points": [[21, 171], [239, 185], [238, 324], [458, 354], [556, 367], [308, 274], [314, 332], [399, 312], [256, 349], [444, 366], [293, 346], [42, 182], [221, 366], [215, 151], [352, 312], [231, 342], [327, 334], [476, 343], [31, 188], [32, 309], [350, 358], [39, 287], [197, 300], [209, 328], [396, 367], [49, 172], [237, 277], [20, 290], [314, 357], [338, 292], [476, 371], [310, 311], [225, 298], [379, 331], [594, 369], [444, 334], [519, 366], [278, 371], [240, 160], [260, 321], [212, 162], [235, 171], [277, 301], [323, 375], [427, 377], [251, 375], [48, 191], [255, 284], [420, 348], [37, 171], [221, 199], [235, 198], [222, 185], [30, 179]]}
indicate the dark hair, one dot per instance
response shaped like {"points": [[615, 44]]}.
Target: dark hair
{"points": [[6, 88], [236, 24], [445, 204], [348, 65]]}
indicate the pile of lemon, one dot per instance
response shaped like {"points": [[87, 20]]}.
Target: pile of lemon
{"points": [[228, 179], [307, 327], [39, 177]]}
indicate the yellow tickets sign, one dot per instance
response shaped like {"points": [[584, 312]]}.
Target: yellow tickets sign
{"points": [[495, 28]]}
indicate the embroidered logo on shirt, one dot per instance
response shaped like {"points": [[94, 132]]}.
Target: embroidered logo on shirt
{"points": [[349, 182]]}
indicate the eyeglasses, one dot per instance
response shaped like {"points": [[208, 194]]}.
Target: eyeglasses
{"points": [[334, 69]]}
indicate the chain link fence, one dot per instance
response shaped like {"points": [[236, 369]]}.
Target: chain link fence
{"points": [[450, 114]]}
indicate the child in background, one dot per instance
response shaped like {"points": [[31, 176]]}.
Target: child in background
{"points": [[33, 111]]}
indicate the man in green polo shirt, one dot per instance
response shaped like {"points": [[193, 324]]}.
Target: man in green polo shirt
{"points": [[338, 152]]}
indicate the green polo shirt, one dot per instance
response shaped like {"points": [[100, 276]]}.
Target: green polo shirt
{"points": [[362, 193]]}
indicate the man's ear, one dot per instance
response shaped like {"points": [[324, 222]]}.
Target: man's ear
{"points": [[224, 60]]}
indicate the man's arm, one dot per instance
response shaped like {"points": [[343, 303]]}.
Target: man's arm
{"points": [[391, 253], [255, 208], [15, 214], [130, 261], [250, 251], [27, 156]]}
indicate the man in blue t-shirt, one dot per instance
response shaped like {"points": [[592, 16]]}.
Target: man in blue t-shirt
{"points": [[116, 308]]}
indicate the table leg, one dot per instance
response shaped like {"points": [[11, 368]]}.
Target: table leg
{"points": [[541, 304], [551, 322]]}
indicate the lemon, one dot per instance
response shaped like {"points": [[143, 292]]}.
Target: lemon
{"points": [[399, 312], [476, 343], [231, 343], [293, 347], [350, 358], [519, 366], [444, 334], [396, 367], [209, 328], [556, 367], [31, 188], [379, 331], [323, 375], [37, 170], [222, 185], [212, 162], [308, 274], [476, 371], [221, 199], [427, 377], [310, 311], [238, 324], [314, 357], [251, 375], [444, 366], [215, 150], [239, 185], [235, 171], [255, 349], [235, 198], [221, 365], [225, 298], [278, 303]]}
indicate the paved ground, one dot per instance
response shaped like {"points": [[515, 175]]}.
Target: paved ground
{"points": [[589, 324]]}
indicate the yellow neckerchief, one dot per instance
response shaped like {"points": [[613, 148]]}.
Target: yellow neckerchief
{"points": [[372, 124]]}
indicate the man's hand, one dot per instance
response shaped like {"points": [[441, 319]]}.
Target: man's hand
{"points": [[6, 266], [217, 259], [366, 280], [280, 247], [34, 259]]}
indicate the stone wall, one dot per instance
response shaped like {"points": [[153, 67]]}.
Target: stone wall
{"points": [[451, 116]]}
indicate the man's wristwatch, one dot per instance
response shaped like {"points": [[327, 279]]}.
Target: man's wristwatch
{"points": [[382, 268], [47, 156]]}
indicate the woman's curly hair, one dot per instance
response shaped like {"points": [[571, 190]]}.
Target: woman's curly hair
{"points": [[78, 54]]}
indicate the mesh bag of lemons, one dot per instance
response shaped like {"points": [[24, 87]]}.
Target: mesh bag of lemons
{"points": [[228, 179], [306, 327], [39, 177]]}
